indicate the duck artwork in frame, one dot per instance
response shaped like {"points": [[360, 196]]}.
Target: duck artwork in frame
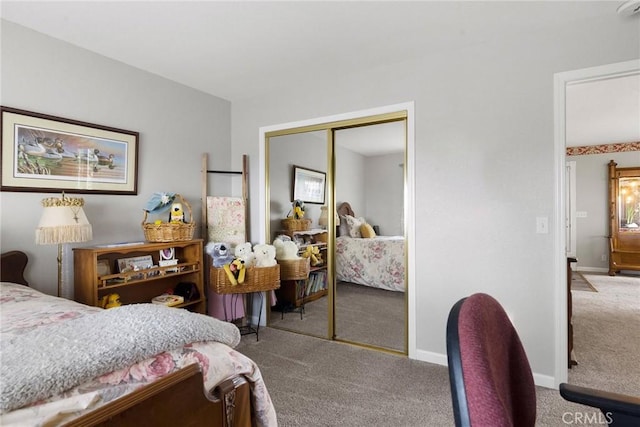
{"points": [[43, 153]]}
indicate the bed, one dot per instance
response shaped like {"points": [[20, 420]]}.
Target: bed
{"points": [[89, 366], [370, 261]]}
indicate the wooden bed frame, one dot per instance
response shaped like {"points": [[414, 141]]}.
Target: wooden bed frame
{"points": [[177, 399]]}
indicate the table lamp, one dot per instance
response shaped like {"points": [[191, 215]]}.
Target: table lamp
{"points": [[63, 221], [324, 217], [323, 221]]}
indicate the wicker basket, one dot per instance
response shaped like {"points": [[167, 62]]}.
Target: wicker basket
{"points": [[168, 231], [294, 269], [256, 279], [290, 224]]}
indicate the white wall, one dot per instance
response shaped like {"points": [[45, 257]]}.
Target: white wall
{"points": [[176, 125], [350, 179], [384, 178], [307, 150], [484, 154]]}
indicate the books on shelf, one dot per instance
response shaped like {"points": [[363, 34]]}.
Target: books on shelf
{"points": [[317, 281], [168, 300]]}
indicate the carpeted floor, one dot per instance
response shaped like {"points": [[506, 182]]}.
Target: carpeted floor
{"points": [[363, 314], [316, 382], [606, 329]]}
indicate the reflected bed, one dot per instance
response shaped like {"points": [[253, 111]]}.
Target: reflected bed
{"points": [[370, 261]]}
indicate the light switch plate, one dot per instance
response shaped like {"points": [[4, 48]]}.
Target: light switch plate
{"points": [[542, 225]]}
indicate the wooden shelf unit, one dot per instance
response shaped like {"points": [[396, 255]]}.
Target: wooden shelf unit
{"points": [[138, 286], [294, 292]]}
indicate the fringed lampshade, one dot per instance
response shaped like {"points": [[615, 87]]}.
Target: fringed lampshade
{"points": [[63, 221]]}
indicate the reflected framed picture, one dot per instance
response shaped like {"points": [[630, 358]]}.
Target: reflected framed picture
{"points": [[308, 185], [49, 154]]}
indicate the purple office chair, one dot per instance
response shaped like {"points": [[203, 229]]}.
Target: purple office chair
{"points": [[491, 380]]}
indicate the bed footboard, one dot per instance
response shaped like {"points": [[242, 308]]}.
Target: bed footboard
{"points": [[177, 399]]}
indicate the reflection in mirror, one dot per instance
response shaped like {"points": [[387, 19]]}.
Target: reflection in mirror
{"points": [[624, 228], [370, 300], [302, 300]]}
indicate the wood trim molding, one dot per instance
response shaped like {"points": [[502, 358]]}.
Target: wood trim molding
{"points": [[603, 148]]}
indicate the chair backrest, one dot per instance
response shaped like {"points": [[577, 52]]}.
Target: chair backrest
{"points": [[491, 379]]}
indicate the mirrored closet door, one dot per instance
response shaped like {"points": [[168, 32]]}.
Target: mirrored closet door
{"points": [[370, 303], [301, 306], [357, 293]]}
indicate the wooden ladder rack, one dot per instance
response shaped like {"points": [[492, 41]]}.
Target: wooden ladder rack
{"points": [[205, 171]]}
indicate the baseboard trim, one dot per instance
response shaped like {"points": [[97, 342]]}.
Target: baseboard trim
{"points": [[593, 269], [544, 381], [441, 359], [431, 357]]}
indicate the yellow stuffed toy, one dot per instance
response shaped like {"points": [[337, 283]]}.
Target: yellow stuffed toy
{"points": [[110, 301], [314, 253], [235, 271], [298, 209], [177, 213]]}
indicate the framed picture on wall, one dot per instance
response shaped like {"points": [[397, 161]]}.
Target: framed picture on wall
{"points": [[44, 153], [308, 185]]}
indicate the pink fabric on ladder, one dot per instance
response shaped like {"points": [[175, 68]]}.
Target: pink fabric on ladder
{"points": [[226, 220]]}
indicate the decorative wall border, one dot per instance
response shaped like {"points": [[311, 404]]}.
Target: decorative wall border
{"points": [[603, 148]]}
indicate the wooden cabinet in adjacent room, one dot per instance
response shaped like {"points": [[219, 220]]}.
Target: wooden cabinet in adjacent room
{"points": [[624, 218]]}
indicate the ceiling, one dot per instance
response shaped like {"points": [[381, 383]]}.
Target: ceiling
{"points": [[240, 49]]}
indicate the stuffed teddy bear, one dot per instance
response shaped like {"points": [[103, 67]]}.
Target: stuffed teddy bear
{"points": [[285, 249], [235, 271], [244, 253], [220, 253], [314, 253], [265, 255]]}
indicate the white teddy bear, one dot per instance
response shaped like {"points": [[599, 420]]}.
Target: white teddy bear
{"points": [[285, 249], [244, 253], [265, 255]]}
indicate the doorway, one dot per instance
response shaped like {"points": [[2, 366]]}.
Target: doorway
{"points": [[561, 82], [327, 127]]}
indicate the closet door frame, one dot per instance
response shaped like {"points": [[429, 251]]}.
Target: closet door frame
{"points": [[404, 111]]}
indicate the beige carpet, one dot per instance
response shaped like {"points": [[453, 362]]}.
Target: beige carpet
{"points": [[316, 382], [606, 329], [363, 314]]}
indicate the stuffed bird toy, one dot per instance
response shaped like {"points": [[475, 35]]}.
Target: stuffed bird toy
{"points": [[235, 271], [110, 301], [298, 209], [314, 253], [177, 213]]}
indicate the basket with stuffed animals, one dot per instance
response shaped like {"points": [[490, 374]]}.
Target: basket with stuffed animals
{"points": [[296, 221], [179, 226], [243, 270], [256, 279], [294, 269], [291, 224]]}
